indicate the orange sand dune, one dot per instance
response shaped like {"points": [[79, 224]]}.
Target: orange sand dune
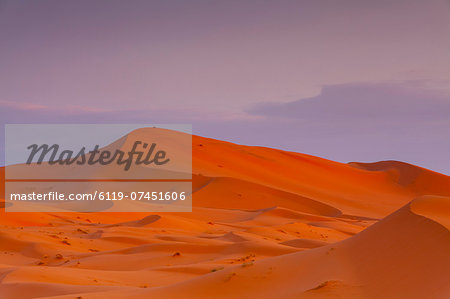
{"points": [[404, 255], [264, 223]]}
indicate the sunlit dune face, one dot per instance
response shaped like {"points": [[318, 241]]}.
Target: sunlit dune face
{"points": [[263, 220]]}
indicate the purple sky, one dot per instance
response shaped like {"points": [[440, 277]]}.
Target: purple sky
{"points": [[346, 80]]}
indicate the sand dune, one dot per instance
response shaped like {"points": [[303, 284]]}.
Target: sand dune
{"points": [[265, 223], [404, 255]]}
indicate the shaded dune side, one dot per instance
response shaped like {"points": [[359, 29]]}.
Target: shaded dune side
{"points": [[420, 180], [406, 253]]}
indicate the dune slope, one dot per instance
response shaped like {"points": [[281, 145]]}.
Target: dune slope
{"points": [[264, 223], [404, 255]]}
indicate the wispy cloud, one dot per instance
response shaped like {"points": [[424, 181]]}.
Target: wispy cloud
{"points": [[21, 105], [11, 111]]}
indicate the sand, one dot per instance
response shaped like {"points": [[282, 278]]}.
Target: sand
{"points": [[265, 223]]}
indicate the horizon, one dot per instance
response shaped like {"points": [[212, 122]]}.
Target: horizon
{"points": [[105, 145]]}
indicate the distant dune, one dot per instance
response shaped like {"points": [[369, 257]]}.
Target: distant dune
{"points": [[265, 223]]}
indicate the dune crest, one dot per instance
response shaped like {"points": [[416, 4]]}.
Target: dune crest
{"points": [[436, 208]]}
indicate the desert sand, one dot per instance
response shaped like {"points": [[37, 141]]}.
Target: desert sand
{"points": [[265, 223]]}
